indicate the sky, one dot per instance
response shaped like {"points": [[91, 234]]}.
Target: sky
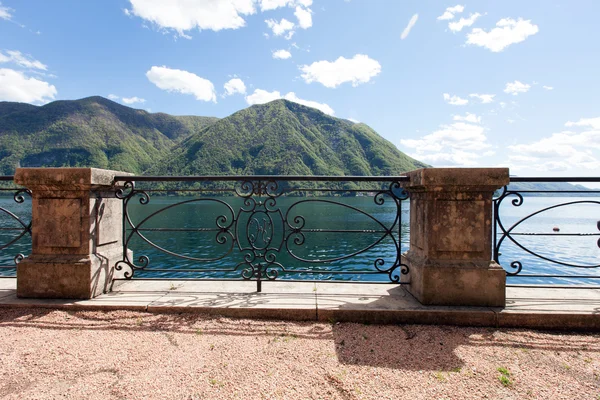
{"points": [[482, 84]]}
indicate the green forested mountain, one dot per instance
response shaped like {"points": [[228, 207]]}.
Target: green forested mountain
{"points": [[285, 138], [93, 132], [279, 138]]}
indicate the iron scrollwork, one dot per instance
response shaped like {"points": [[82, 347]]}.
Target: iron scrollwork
{"points": [[261, 231], [501, 233], [23, 227]]}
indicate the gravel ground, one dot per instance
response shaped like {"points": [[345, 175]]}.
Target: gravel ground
{"points": [[47, 354]]}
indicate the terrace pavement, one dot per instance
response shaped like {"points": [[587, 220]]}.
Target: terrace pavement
{"points": [[526, 307]]}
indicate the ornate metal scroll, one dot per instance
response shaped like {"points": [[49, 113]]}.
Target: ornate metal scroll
{"points": [[22, 228], [503, 233], [260, 231]]}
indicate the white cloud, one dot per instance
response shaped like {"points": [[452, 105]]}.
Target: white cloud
{"points": [[548, 87], [22, 60], [185, 15], [455, 100], [16, 86], [267, 5], [281, 27], [126, 100], [291, 96], [411, 23], [5, 12], [561, 151], [516, 87], [457, 144], [282, 54], [458, 26], [176, 80], [468, 117], [304, 16], [594, 123], [262, 96], [507, 32], [359, 69], [133, 100], [353, 120], [485, 98], [450, 12], [233, 86]]}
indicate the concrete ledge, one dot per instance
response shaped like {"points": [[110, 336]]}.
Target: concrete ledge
{"points": [[529, 308], [550, 321]]}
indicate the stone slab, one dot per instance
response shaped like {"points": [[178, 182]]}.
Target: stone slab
{"points": [[463, 177], [65, 178], [8, 287], [532, 308]]}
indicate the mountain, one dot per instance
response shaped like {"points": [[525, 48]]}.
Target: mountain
{"points": [[284, 138], [551, 186], [92, 132]]}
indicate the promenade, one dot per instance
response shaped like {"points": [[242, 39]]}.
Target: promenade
{"points": [[526, 307]]}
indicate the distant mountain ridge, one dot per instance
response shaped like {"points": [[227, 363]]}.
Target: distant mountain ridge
{"points": [[277, 138], [285, 138], [93, 131]]}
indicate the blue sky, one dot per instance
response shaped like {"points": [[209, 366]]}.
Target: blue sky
{"points": [[486, 83]]}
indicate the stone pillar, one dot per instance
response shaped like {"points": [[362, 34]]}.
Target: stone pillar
{"points": [[76, 233], [450, 255]]}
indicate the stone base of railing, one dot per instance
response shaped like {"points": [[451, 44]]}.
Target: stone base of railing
{"points": [[67, 276], [451, 237], [457, 284], [77, 233]]}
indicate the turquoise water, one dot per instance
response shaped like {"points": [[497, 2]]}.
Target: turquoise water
{"points": [[320, 249]]}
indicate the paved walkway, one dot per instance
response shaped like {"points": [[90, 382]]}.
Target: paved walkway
{"points": [[537, 308]]}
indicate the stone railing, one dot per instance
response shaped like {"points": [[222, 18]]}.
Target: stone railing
{"points": [[78, 230]]}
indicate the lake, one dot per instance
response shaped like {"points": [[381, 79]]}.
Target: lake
{"points": [[327, 231]]}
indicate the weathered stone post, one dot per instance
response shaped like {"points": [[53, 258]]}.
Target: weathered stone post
{"points": [[450, 255], [76, 232]]}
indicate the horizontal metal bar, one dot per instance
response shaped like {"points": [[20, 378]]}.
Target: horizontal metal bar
{"points": [[552, 234], [7, 178], [175, 229], [554, 179], [554, 276], [263, 280], [556, 191], [554, 286], [304, 271], [304, 178]]}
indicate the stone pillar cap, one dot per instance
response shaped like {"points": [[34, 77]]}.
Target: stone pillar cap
{"points": [[66, 178], [465, 177]]}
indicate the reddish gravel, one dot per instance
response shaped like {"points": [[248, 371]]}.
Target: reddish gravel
{"points": [[48, 354]]}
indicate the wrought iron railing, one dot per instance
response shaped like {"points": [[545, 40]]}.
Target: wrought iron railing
{"points": [[567, 220], [259, 228], [15, 226]]}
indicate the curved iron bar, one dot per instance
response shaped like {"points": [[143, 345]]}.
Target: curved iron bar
{"points": [[260, 253], [223, 234], [18, 197], [506, 233], [295, 230]]}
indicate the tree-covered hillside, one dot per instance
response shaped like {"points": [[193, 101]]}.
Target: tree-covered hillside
{"points": [[285, 138], [93, 132]]}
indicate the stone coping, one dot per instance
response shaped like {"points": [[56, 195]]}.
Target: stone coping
{"points": [[531, 308], [66, 178]]}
